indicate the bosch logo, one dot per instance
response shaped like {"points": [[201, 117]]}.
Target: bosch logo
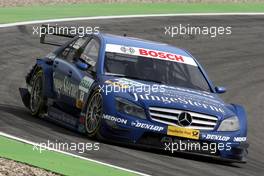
{"points": [[185, 119]]}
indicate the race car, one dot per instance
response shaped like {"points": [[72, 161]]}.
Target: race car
{"points": [[135, 91]]}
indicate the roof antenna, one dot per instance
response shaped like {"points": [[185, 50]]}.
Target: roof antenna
{"points": [[125, 35]]}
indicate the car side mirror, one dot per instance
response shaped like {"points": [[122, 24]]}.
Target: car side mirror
{"points": [[220, 90], [81, 65]]}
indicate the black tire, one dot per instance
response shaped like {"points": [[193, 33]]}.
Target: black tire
{"points": [[93, 115], [37, 102]]}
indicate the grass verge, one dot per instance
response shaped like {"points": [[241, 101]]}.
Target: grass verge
{"points": [[53, 161], [16, 14]]}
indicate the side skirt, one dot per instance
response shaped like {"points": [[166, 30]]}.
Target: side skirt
{"points": [[64, 119]]}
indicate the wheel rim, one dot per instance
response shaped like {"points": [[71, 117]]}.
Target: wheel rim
{"points": [[94, 113], [35, 98]]}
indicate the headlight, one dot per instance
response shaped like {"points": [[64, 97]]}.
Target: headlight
{"points": [[129, 108], [229, 124]]}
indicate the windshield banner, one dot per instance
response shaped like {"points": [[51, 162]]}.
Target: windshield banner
{"points": [[150, 54]]}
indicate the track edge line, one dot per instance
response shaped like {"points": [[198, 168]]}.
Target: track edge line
{"points": [[125, 16], [70, 154]]}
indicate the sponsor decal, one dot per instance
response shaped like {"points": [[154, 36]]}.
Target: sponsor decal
{"points": [[183, 132], [80, 99], [81, 95], [84, 87], [179, 99], [146, 126], [127, 50], [114, 119], [128, 82], [154, 54], [61, 116], [175, 90], [65, 87], [79, 104], [116, 84], [216, 137], [85, 84], [124, 83], [240, 139]]}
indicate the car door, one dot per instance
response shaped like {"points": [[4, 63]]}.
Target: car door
{"points": [[65, 71], [89, 56], [71, 80]]}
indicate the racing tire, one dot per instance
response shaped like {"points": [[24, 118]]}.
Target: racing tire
{"points": [[37, 102], [93, 115]]}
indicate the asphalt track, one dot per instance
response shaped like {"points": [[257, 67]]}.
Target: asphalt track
{"points": [[235, 61]]}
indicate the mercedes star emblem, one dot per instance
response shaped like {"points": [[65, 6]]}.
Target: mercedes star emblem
{"points": [[185, 119]]}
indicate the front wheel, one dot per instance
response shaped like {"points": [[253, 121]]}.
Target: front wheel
{"points": [[37, 100], [94, 114]]}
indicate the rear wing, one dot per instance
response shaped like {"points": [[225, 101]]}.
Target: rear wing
{"points": [[48, 30]]}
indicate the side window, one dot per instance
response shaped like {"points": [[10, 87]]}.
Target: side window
{"points": [[72, 51], [91, 53]]}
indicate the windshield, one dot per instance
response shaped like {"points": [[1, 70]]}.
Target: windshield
{"points": [[155, 70]]}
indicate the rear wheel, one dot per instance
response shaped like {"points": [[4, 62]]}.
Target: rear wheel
{"points": [[37, 101], [94, 114]]}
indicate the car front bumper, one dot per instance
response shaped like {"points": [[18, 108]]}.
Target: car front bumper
{"points": [[150, 134]]}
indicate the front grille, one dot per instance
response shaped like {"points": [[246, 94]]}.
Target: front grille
{"points": [[170, 117]]}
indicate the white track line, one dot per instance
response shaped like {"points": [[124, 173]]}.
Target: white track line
{"points": [[122, 16], [70, 154]]}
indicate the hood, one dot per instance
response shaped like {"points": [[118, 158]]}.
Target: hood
{"points": [[149, 94]]}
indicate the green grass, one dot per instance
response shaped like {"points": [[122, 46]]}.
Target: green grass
{"points": [[15, 14], [53, 161]]}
